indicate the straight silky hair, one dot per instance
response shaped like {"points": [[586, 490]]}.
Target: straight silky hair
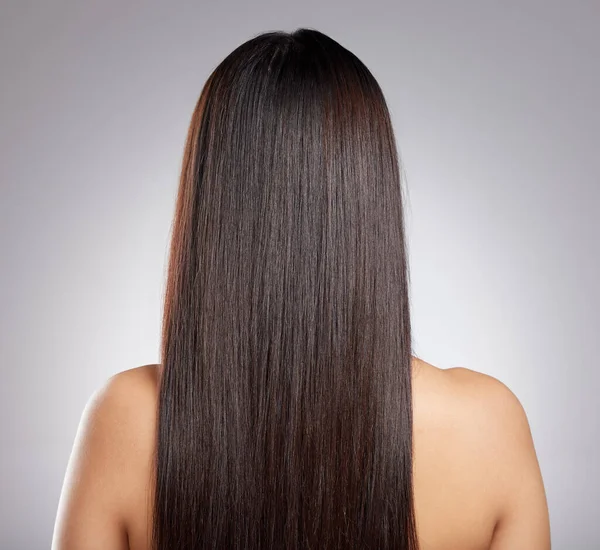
{"points": [[284, 412]]}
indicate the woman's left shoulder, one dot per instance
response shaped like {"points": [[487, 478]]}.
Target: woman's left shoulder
{"points": [[111, 462]]}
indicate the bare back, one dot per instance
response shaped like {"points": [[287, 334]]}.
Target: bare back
{"points": [[476, 478]]}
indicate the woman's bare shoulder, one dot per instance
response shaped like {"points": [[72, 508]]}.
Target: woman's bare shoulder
{"points": [[472, 427], [472, 407], [110, 465], [144, 377], [129, 400], [460, 390]]}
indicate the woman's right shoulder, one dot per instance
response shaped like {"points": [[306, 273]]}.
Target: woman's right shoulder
{"points": [[484, 399], [488, 438]]}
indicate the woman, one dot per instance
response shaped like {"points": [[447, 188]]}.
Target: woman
{"points": [[288, 411]]}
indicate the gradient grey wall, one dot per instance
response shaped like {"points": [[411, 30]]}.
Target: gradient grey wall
{"points": [[496, 109]]}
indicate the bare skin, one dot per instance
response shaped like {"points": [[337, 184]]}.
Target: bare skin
{"points": [[477, 480]]}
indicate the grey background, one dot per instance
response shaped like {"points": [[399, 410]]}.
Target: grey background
{"points": [[496, 110]]}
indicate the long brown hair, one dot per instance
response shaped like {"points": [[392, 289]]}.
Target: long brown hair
{"points": [[285, 414]]}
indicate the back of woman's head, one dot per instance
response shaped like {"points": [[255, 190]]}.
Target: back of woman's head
{"points": [[285, 415]]}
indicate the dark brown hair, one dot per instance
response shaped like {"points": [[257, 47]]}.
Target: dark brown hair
{"points": [[285, 414]]}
